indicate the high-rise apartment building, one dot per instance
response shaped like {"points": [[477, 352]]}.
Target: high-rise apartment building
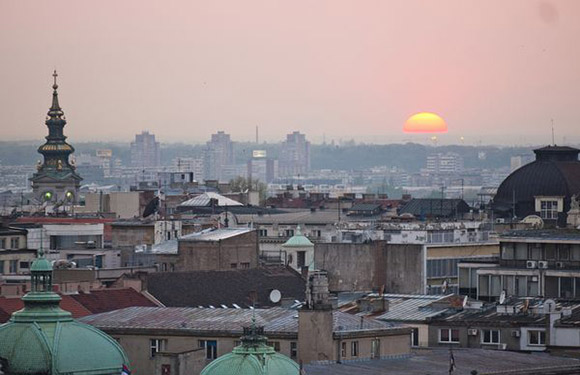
{"points": [[294, 156], [262, 168], [145, 151], [218, 156], [449, 162]]}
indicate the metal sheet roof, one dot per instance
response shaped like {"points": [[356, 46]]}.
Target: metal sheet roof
{"points": [[215, 234], [204, 200], [230, 320]]}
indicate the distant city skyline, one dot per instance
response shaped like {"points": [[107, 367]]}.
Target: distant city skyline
{"points": [[497, 72]]}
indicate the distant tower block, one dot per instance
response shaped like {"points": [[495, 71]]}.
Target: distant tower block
{"points": [[56, 179]]}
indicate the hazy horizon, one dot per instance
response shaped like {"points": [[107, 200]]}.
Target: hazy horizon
{"points": [[496, 71]]}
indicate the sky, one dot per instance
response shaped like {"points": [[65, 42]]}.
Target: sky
{"points": [[497, 71]]}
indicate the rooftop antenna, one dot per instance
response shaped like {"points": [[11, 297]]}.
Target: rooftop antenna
{"points": [[553, 141]]}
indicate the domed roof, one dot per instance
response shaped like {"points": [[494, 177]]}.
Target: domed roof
{"points": [[555, 172], [298, 240], [252, 357], [44, 339]]}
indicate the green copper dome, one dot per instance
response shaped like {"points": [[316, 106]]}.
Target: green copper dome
{"points": [[298, 240], [252, 357], [44, 339]]}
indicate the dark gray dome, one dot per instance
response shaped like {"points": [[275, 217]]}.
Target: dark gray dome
{"points": [[555, 172]]}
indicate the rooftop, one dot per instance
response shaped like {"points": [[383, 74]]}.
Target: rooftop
{"points": [[206, 199], [213, 235], [436, 361], [195, 320]]}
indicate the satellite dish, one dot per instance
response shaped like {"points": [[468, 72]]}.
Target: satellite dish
{"points": [[502, 297], [549, 306], [444, 286], [275, 296], [465, 301]]}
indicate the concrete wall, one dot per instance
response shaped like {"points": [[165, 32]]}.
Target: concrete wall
{"points": [[132, 235], [360, 266], [137, 347], [315, 336], [218, 255]]}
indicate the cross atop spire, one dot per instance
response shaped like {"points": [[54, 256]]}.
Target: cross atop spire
{"points": [[55, 74]]}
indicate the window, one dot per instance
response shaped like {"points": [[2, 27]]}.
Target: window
{"points": [[24, 265], [2, 243], [549, 209], [415, 337], [563, 252], [1, 267], [354, 348], [15, 243], [263, 232], [507, 251], [156, 346], [490, 336], [343, 350], [289, 232], [300, 259], [233, 265], [210, 348], [245, 265], [294, 349], [316, 233], [448, 335], [376, 348], [536, 337], [13, 266]]}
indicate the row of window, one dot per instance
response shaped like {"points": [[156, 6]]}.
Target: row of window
{"points": [[442, 267], [315, 233], [14, 243], [490, 336], [13, 266], [536, 251], [210, 346]]}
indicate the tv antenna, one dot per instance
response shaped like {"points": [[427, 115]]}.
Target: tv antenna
{"points": [[553, 141]]}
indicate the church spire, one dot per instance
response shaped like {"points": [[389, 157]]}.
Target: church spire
{"points": [[55, 110]]}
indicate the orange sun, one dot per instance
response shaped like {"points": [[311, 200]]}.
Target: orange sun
{"points": [[425, 122]]}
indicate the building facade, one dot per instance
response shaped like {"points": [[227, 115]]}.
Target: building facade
{"points": [[294, 156], [145, 151]]}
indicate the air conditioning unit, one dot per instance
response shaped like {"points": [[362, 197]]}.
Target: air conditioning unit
{"points": [[542, 264], [531, 264], [472, 332], [516, 333], [559, 264]]}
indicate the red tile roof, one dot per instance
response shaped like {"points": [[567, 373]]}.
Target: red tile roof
{"points": [[103, 300], [13, 304]]}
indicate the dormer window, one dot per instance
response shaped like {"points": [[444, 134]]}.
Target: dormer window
{"points": [[549, 207]]}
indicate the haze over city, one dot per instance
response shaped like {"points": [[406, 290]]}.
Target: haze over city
{"points": [[496, 71]]}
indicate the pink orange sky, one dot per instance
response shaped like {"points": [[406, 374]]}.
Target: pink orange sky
{"points": [[497, 71]]}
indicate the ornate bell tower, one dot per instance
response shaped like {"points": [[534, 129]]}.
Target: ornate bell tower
{"points": [[56, 181]]}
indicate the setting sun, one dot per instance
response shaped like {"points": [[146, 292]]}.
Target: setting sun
{"points": [[425, 122]]}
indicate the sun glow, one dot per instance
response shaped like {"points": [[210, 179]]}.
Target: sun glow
{"points": [[425, 122]]}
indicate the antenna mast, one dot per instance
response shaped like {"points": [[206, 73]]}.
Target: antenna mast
{"points": [[553, 141]]}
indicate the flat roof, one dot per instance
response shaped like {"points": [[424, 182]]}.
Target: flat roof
{"points": [[436, 361]]}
